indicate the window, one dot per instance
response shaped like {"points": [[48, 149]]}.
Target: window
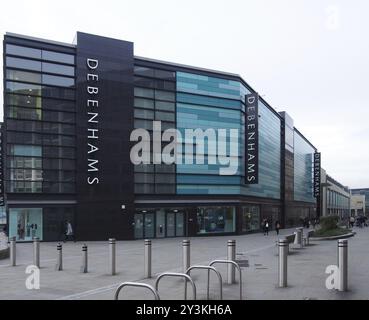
{"points": [[23, 51], [250, 218], [23, 64], [24, 150], [59, 164], [25, 223], [25, 162], [144, 188], [24, 101], [25, 175], [164, 95], [58, 57], [23, 88], [143, 71], [164, 116], [215, 219], [165, 188], [23, 76], [24, 113], [144, 82], [59, 116], [144, 178], [165, 106], [144, 103], [144, 114], [145, 93], [166, 75], [57, 81], [58, 152], [57, 68]]}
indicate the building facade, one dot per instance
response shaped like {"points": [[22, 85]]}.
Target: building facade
{"points": [[357, 205], [69, 114], [364, 192], [335, 198]]}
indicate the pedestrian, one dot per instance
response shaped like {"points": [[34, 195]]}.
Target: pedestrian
{"points": [[266, 227], [277, 227], [352, 221], [313, 222], [69, 232]]}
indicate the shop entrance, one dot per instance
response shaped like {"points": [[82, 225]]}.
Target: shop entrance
{"points": [[159, 223]]}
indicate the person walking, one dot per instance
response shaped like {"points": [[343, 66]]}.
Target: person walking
{"points": [[69, 232], [352, 221], [277, 227], [266, 227]]}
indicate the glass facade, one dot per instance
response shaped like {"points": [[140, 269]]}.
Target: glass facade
{"points": [[208, 102], [154, 100], [303, 169], [337, 203], [40, 117]]}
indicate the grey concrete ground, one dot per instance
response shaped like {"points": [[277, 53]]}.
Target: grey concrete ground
{"points": [[306, 269]]}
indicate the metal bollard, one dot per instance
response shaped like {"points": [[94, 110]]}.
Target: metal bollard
{"points": [[186, 246], [36, 252], [13, 252], [84, 259], [231, 255], [112, 256], [343, 264], [147, 258], [299, 235], [282, 263], [59, 263]]}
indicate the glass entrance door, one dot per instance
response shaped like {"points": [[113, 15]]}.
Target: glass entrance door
{"points": [[171, 219], [139, 226], [180, 224], [160, 223]]}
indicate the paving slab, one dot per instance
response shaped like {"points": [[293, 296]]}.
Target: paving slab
{"points": [[306, 269]]}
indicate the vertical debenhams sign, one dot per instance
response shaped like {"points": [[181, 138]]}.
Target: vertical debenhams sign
{"points": [[252, 139], [92, 105], [317, 165]]}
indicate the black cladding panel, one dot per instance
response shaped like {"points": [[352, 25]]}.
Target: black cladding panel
{"points": [[105, 186]]}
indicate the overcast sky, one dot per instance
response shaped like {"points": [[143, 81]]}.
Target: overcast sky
{"points": [[307, 57]]}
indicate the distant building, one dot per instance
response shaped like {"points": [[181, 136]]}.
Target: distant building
{"points": [[335, 198], [357, 205], [364, 192]]}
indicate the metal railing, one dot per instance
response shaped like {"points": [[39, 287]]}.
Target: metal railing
{"points": [[209, 268], [178, 275], [236, 265], [136, 284]]}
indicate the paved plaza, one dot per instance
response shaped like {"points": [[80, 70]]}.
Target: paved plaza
{"points": [[306, 269]]}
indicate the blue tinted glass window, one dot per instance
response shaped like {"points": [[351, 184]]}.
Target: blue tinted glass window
{"points": [[23, 51], [57, 68], [57, 81], [23, 63], [58, 57], [28, 151]]}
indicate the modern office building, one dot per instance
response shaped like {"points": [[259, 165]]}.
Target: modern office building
{"points": [[70, 110], [335, 197], [364, 192]]}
